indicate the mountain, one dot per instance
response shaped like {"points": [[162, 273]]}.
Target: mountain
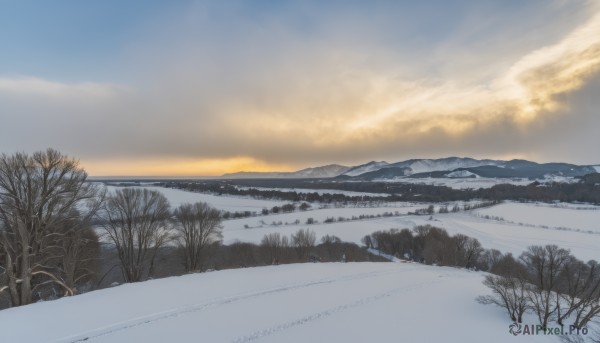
{"points": [[455, 167], [531, 170], [365, 168], [421, 167], [441, 164], [383, 173], [327, 171], [448, 167]]}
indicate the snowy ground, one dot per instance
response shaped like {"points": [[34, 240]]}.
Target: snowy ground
{"points": [[572, 226], [227, 203], [506, 237], [332, 302], [515, 238], [475, 183], [321, 214], [576, 217]]}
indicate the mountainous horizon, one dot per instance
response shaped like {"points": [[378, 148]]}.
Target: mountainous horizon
{"points": [[446, 167]]}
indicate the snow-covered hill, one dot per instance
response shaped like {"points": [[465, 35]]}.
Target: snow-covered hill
{"points": [[366, 168], [330, 170], [330, 302], [443, 164]]}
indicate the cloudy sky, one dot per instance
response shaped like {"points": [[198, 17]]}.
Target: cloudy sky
{"points": [[207, 87]]}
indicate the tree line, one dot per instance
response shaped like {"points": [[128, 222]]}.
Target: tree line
{"points": [[430, 245]]}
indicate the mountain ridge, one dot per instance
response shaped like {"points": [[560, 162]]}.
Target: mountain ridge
{"points": [[446, 167]]}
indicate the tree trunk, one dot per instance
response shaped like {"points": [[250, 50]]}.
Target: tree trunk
{"points": [[12, 282]]}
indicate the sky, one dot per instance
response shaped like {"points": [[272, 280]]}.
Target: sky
{"points": [[199, 88]]}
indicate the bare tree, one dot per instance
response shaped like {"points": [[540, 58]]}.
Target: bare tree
{"points": [[459, 241], [243, 255], [490, 259], [544, 265], [39, 194], [578, 295], [471, 252], [136, 221], [273, 244], [198, 226], [79, 250], [333, 246], [367, 241], [509, 293], [304, 240]]}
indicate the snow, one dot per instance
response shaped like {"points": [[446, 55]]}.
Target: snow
{"points": [[461, 173], [222, 202], [565, 225], [584, 217], [513, 238], [459, 183], [425, 166], [386, 256], [597, 168], [333, 302], [493, 234], [351, 231], [365, 168], [331, 170]]}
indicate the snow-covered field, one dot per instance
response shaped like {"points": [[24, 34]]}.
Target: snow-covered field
{"points": [[475, 183], [506, 237], [460, 183], [565, 225], [576, 217], [330, 302], [227, 203], [322, 214], [514, 238]]}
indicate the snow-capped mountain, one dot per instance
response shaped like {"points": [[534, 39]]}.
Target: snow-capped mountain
{"points": [[365, 168], [425, 167], [449, 167], [459, 167], [442, 164], [330, 170]]}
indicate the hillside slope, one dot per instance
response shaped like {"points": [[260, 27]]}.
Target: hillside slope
{"points": [[334, 302]]}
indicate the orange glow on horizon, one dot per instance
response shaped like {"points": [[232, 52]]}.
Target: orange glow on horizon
{"points": [[179, 167]]}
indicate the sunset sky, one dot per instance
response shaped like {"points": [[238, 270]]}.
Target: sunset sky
{"points": [[191, 88]]}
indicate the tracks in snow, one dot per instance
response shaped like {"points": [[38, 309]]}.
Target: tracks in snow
{"points": [[323, 314], [176, 312]]}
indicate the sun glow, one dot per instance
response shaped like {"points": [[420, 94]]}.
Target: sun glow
{"points": [[179, 167]]}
